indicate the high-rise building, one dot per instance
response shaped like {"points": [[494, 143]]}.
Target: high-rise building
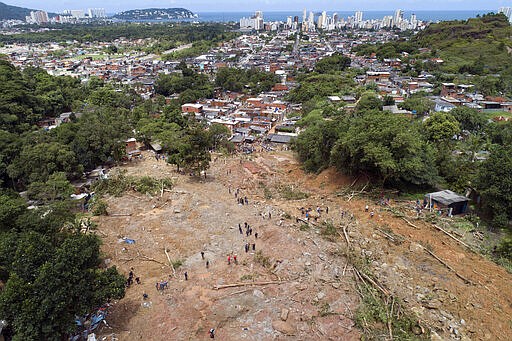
{"points": [[335, 18], [359, 16], [387, 21], [507, 11], [399, 16], [304, 15], [75, 13], [324, 19], [289, 22], [97, 13], [39, 17], [414, 21], [254, 23]]}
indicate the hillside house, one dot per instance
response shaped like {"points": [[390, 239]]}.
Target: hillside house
{"points": [[446, 200]]}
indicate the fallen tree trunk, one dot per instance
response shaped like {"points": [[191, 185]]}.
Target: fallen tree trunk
{"points": [[235, 285], [146, 258], [345, 234], [467, 281], [410, 224], [170, 262], [374, 283], [307, 222], [452, 237]]}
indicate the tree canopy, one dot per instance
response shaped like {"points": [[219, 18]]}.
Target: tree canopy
{"points": [[334, 63], [251, 80]]}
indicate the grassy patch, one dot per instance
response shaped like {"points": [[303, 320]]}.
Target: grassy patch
{"points": [[377, 315], [248, 277], [491, 115], [98, 206], [397, 213], [177, 263], [304, 227], [290, 193], [328, 231], [119, 183], [324, 310], [267, 193], [463, 224], [263, 260]]}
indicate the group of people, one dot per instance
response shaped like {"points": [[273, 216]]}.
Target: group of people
{"points": [[130, 279], [367, 209], [162, 285], [239, 199], [307, 212], [159, 157], [248, 233]]}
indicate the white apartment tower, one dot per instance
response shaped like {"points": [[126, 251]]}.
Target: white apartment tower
{"points": [[324, 19], [97, 13], [399, 16], [335, 18], [387, 21], [414, 21], [254, 23], [358, 16], [507, 11], [289, 22], [39, 17], [76, 13]]}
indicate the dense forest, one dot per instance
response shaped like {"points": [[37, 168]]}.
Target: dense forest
{"points": [[169, 32]]}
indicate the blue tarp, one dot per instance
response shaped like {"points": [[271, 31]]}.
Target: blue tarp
{"points": [[96, 320]]}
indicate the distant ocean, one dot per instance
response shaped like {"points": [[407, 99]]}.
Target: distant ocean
{"points": [[367, 15]]}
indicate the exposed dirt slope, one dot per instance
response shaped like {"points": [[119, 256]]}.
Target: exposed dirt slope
{"points": [[315, 296]]}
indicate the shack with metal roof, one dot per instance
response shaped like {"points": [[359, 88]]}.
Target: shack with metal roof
{"points": [[447, 199]]}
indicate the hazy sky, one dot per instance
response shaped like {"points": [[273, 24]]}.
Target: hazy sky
{"points": [[264, 5]]}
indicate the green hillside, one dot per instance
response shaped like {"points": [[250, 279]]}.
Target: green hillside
{"points": [[13, 12], [478, 45]]}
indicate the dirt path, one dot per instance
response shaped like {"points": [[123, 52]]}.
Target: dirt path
{"points": [[316, 297]]}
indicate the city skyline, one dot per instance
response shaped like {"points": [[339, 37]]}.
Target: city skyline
{"points": [[265, 5]]}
